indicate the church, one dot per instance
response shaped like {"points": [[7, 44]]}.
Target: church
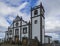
{"points": [[20, 29]]}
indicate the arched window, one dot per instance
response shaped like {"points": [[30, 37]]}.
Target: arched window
{"points": [[17, 24], [35, 12], [16, 32], [25, 30], [35, 21], [10, 31]]}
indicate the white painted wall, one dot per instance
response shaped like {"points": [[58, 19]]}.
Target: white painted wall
{"points": [[46, 39], [25, 35], [18, 23], [43, 29], [10, 35], [50, 40], [36, 28], [23, 23], [1, 40], [6, 36], [19, 33]]}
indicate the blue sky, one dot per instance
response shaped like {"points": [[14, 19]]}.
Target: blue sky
{"points": [[9, 9]]}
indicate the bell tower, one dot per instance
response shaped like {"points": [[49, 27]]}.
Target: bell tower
{"points": [[38, 23]]}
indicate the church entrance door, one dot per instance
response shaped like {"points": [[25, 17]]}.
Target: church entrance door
{"points": [[16, 39], [24, 40]]}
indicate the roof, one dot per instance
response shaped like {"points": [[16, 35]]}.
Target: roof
{"points": [[48, 36], [17, 19]]}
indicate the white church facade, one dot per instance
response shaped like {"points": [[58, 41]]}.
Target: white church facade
{"points": [[34, 28]]}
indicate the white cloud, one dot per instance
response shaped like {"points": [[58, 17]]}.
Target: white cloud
{"points": [[3, 22], [52, 13], [52, 23], [4, 9], [54, 36], [7, 10], [52, 17]]}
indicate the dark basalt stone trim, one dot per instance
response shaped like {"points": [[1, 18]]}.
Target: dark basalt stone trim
{"points": [[29, 31], [13, 29], [48, 36], [38, 16], [19, 26], [41, 16], [20, 30], [41, 30], [41, 27], [16, 20], [24, 21], [10, 28], [31, 24], [36, 7], [39, 6]]}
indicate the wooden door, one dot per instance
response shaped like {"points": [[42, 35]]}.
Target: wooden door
{"points": [[16, 39], [24, 41]]}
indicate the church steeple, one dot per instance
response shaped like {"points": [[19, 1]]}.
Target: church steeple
{"points": [[41, 6], [37, 22], [42, 10]]}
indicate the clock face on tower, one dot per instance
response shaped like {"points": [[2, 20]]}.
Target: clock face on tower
{"points": [[35, 12]]}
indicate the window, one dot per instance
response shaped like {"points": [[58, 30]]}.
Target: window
{"points": [[25, 30], [35, 12], [10, 32], [35, 21], [16, 31], [17, 24]]}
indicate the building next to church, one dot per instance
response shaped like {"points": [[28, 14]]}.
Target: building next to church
{"points": [[35, 28], [48, 39]]}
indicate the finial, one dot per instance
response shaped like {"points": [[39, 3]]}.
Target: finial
{"points": [[41, 5], [17, 16], [21, 18]]}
